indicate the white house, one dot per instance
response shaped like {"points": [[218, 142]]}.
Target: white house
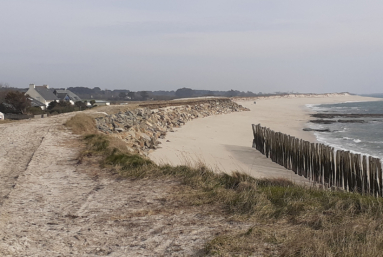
{"points": [[41, 94], [101, 103]]}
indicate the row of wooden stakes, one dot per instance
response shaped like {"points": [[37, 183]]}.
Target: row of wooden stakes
{"points": [[320, 163]]}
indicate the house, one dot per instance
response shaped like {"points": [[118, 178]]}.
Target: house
{"points": [[66, 95], [101, 103], [36, 103], [41, 94]]}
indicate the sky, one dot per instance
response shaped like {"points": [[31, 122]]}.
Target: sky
{"points": [[248, 45]]}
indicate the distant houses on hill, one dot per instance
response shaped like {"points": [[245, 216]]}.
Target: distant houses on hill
{"points": [[42, 95], [117, 95]]}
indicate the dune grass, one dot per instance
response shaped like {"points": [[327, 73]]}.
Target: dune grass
{"points": [[81, 124], [289, 220]]}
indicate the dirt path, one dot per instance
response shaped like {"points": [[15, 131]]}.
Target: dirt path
{"points": [[52, 206]]}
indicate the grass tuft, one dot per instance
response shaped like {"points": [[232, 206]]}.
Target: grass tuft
{"points": [[126, 161], [81, 124]]}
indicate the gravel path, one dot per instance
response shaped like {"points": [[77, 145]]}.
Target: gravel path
{"points": [[52, 206]]}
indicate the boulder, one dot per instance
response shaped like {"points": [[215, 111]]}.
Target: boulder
{"points": [[141, 128]]}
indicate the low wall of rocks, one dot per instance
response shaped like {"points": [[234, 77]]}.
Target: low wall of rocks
{"points": [[141, 128]]}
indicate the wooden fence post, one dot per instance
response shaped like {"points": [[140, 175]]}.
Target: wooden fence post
{"points": [[321, 163], [366, 184]]}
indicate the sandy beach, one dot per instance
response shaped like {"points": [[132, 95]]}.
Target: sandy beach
{"points": [[223, 142]]}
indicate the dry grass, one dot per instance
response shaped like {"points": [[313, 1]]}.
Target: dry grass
{"points": [[6, 121], [289, 220], [81, 124], [300, 221], [111, 109]]}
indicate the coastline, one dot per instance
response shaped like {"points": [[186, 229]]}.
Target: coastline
{"points": [[223, 142]]}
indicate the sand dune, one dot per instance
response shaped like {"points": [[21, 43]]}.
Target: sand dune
{"points": [[224, 142]]}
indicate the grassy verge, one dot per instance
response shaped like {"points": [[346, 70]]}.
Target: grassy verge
{"points": [[290, 220]]}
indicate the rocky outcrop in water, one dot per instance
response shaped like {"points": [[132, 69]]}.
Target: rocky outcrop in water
{"points": [[316, 130], [346, 115], [141, 128], [335, 121]]}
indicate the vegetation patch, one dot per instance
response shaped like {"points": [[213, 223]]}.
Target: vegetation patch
{"points": [[82, 124], [289, 220]]}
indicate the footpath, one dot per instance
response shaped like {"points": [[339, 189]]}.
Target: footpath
{"points": [[50, 205]]}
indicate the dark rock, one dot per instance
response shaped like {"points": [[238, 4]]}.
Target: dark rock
{"points": [[323, 121], [346, 115], [317, 130], [351, 121], [141, 128]]}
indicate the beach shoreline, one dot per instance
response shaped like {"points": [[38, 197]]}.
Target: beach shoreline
{"points": [[223, 142]]}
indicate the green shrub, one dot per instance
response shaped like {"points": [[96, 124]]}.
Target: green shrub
{"points": [[35, 110]]}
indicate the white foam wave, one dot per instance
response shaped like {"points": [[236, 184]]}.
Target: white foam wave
{"points": [[352, 139], [340, 146]]}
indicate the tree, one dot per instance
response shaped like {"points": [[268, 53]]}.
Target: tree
{"points": [[80, 104], [232, 93], [92, 102], [122, 95], [132, 95], [184, 92], [5, 85], [18, 100], [144, 95], [52, 105]]}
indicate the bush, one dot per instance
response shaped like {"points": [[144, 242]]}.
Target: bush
{"points": [[61, 107], [35, 110], [18, 100], [81, 105]]}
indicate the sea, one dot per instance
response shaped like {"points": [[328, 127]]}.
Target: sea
{"points": [[364, 138]]}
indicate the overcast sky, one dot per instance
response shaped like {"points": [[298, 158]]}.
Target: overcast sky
{"points": [[267, 46]]}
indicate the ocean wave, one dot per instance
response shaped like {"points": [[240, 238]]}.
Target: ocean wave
{"points": [[375, 142], [344, 130], [317, 107], [352, 139], [338, 145]]}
